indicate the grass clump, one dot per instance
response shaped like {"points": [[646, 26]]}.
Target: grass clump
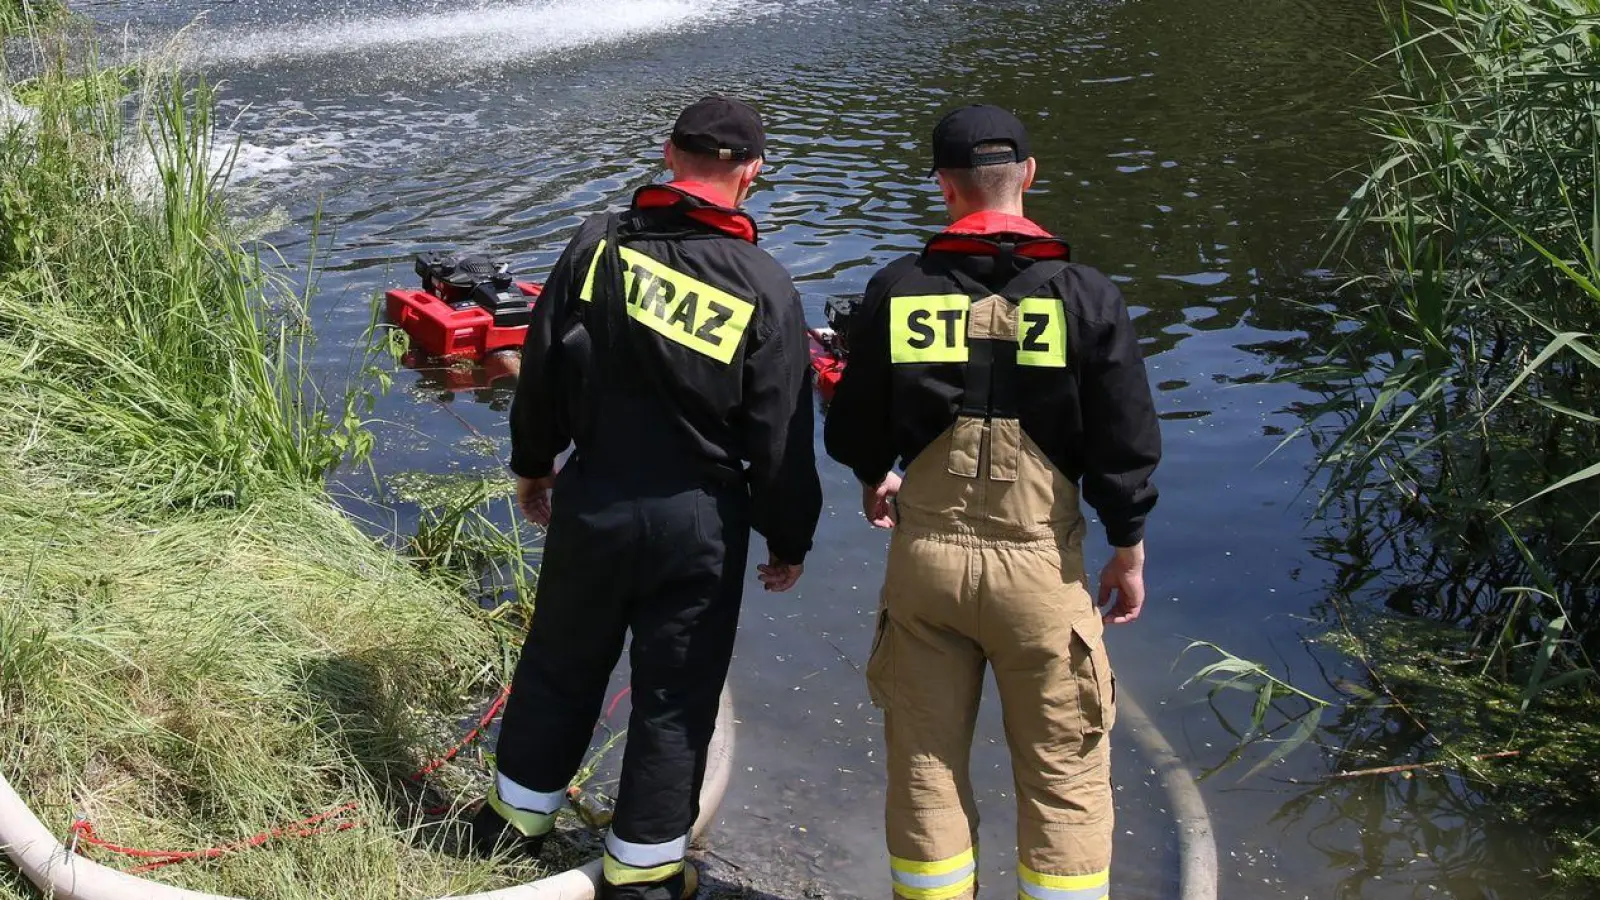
{"points": [[225, 672], [20, 16], [196, 645]]}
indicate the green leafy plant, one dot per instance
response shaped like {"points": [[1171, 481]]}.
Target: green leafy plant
{"points": [[1235, 673]]}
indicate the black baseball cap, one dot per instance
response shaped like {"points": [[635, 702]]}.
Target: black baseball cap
{"points": [[721, 127], [959, 134]]}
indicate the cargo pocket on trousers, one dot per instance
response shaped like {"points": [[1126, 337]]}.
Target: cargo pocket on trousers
{"points": [[1096, 687], [879, 667]]}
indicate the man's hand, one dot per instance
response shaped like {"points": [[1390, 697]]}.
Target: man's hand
{"points": [[1123, 577], [778, 575], [533, 498], [877, 502]]}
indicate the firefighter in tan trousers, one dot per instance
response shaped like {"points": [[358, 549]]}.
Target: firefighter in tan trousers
{"points": [[1002, 376]]}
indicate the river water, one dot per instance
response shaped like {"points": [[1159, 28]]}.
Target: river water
{"points": [[1196, 150]]}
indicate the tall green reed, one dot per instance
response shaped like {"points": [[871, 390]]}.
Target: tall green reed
{"points": [[1460, 440], [136, 328]]}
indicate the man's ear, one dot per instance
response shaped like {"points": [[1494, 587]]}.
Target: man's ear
{"points": [[667, 153], [947, 189], [1030, 168], [747, 179]]}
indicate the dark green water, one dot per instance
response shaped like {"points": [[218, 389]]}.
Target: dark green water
{"points": [[1196, 150]]}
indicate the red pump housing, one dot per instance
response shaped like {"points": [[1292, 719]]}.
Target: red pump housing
{"points": [[463, 329], [826, 361]]}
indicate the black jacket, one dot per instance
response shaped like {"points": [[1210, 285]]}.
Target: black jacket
{"points": [[708, 371], [1091, 412]]}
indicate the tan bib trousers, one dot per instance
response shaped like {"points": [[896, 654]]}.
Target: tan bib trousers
{"points": [[986, 567]]}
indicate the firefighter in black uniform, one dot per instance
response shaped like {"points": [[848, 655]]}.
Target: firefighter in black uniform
{"points": [[1004, 377], [672, 353]]}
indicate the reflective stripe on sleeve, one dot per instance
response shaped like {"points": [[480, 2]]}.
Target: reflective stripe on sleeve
{"points": [[1038, 886], [938, 880]]}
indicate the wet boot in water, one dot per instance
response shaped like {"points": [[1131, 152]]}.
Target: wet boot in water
{"points": [[492, 835]]}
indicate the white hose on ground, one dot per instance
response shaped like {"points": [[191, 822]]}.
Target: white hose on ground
{"points": [[1197, 843], [63, 875]]}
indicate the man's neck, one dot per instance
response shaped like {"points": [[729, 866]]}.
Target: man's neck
{"points": [[1009, 209], [727, 194]]}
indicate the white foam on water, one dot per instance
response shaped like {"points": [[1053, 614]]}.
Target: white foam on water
{"points": [[484, 36], [14, 114], [255, 161]]}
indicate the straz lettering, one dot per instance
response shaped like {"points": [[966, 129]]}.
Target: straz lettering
{"points": [[1043, 339], [678, 307], [929, 329], [1033, 339]]}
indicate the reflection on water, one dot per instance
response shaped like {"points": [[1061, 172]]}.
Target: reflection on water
{"points": [[1192, 149]]}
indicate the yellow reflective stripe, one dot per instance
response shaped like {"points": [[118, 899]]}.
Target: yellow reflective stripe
{"points": [[937, 867], [1065, 882], [587, 293], [679, 307], [1042, 333], [620, 873], [966, 884], [929, 329], [528, 824]]}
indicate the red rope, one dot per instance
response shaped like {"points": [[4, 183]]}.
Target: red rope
{"points": [[617, 700], [309, 827], [303, 828], [494, 712]]}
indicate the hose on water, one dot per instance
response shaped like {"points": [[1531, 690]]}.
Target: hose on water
{"points": [[60, 873], [1197, 842]]}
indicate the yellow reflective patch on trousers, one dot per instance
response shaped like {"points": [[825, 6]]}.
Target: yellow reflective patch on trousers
{"points": [[1037, 886], [958, 888], [527, 824], [1042, 333], [929, 329], [938, 880], [938, 867], [619, 874], [679, 307]]}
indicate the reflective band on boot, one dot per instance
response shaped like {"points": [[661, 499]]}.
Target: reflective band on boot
{"points": [[938, 880], [1037, 886], [630, 863], [531, 813], [620, 873]]}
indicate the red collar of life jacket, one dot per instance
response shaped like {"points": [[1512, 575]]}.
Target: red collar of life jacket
{"points": [[988, 232], [702, 203]]}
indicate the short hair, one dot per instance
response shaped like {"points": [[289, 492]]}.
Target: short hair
{"points": [[989, 185], [704, 165]]}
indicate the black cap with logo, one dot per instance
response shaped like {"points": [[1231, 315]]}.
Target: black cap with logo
{"points": [[721, 127], [959, 134]]}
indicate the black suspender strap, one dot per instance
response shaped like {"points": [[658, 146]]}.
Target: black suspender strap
{"points": [[992, 388]]}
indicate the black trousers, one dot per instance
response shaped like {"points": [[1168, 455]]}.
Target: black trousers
{"points": [[667, 564]]}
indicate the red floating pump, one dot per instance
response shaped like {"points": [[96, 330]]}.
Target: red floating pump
{"points": [[830, 346], [826, 361], [469, 307]]}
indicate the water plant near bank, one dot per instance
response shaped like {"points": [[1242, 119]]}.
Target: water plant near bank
{"points": [[1458, 438]]}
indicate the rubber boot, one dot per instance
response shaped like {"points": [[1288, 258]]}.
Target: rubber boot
{"points": [[492, 836]]}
